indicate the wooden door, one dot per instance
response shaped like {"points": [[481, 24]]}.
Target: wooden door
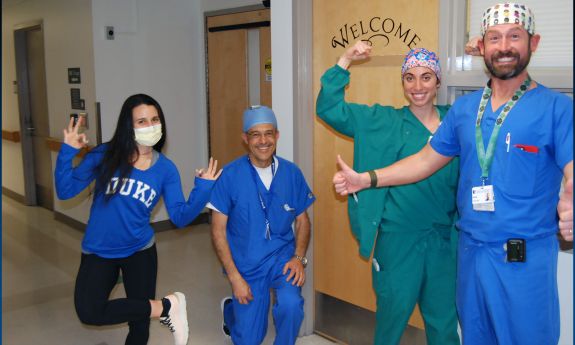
{"points": [[393, 27], [229, 77]]}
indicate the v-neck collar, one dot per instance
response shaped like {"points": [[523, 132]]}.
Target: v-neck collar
{"points": [[419, 123], [260, 184]]}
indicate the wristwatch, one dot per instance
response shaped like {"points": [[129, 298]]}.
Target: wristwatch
{"points": [[301, 259]]}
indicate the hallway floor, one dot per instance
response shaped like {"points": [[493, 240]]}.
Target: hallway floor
{"points": [[40, 258]]}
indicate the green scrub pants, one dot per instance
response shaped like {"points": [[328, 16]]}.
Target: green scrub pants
{"points": [[409, 268]]}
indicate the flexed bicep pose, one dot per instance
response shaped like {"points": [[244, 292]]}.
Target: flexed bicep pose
{"points": [[131, 175], [515, 143], [413, 224]]}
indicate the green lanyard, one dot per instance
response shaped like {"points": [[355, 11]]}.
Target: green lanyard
{"points": [[486, 158]]}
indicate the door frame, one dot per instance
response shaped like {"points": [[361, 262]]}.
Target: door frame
{"points": [[25, 114], [303, 127], [207, 14]]}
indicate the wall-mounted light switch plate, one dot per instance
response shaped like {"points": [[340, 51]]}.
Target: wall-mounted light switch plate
{"points": [[110, 33]]}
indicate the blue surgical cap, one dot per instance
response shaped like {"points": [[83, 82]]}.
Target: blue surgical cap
{"points": [[257, 115]]}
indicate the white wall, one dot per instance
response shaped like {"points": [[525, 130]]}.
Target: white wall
{"points": [[282, 90], [67, 43]]}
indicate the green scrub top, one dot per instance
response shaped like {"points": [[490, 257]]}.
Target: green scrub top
{"points": [[381, 136]]}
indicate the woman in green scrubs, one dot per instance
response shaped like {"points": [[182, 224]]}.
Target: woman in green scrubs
{"points": [[412, 225]]}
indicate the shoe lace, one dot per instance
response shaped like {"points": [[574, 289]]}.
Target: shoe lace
{"points": [[166, 321]]}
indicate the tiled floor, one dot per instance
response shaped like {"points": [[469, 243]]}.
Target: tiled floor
{"points": [[40, 257]]}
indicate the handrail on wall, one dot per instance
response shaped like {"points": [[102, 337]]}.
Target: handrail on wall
{"points": [[55, 143], [13, 136], [52, 143]]}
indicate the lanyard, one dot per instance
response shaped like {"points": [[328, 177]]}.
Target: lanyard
{"points": [[265, 209], [486, 157]]}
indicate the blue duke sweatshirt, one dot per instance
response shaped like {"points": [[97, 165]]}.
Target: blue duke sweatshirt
{"points": [[119, 227]]}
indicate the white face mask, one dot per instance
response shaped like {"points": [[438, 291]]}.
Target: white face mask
{"points": [[148, 136]]}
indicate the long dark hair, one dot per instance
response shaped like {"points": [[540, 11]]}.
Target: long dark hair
{"points": [[122, 150]]}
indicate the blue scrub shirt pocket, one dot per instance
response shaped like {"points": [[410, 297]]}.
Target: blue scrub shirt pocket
{"points": [[241, 216], [521, 172], [282, 216]]}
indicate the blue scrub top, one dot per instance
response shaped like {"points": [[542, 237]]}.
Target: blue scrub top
{"points": [[236, 195], [526, 184]]}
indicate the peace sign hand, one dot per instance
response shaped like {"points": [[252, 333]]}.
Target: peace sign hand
{"points": [[71, 135], [211, 173]]}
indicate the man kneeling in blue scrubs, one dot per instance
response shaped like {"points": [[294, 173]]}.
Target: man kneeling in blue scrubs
{"points": [[255, 202]]}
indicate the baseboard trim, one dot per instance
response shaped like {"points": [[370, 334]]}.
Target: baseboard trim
{"points": [[332, 339], [164, 225], [71, 222], [14, 196], [345, 323]]}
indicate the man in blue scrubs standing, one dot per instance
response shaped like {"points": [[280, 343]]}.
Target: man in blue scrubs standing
{"points": [[255, 202], [515, 142]]}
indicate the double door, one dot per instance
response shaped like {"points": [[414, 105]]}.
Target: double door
{"points": [[239, 75]]}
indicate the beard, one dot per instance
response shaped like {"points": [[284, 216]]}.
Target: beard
{"points": [[508, 72]]}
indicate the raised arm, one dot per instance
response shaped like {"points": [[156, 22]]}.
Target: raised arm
{"points": [[240, 288], [331, 106], [183, 212], [70, 181], [408, 170]]}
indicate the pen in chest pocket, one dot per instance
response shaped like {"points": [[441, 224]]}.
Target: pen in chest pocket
{"points": [[508, 140]]}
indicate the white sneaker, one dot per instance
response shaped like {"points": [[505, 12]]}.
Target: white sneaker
{"points": [[225, 330], [177, 319]]}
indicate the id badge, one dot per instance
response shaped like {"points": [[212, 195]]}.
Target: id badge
{"points": [[483, 199]]}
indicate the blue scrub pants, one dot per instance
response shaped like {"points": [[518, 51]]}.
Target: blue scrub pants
{"points": [[248, 323], [501, 303]]}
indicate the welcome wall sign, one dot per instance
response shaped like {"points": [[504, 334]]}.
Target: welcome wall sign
{"points": [[375, 29]]}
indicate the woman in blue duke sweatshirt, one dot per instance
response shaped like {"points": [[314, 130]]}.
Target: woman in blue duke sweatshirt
{"points": [[130, 175]]}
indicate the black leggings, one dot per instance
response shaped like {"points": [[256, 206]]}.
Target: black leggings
{"points": [[97, 277]]}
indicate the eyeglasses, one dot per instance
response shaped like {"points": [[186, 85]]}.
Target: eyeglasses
{"points": [[255, 135]]}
